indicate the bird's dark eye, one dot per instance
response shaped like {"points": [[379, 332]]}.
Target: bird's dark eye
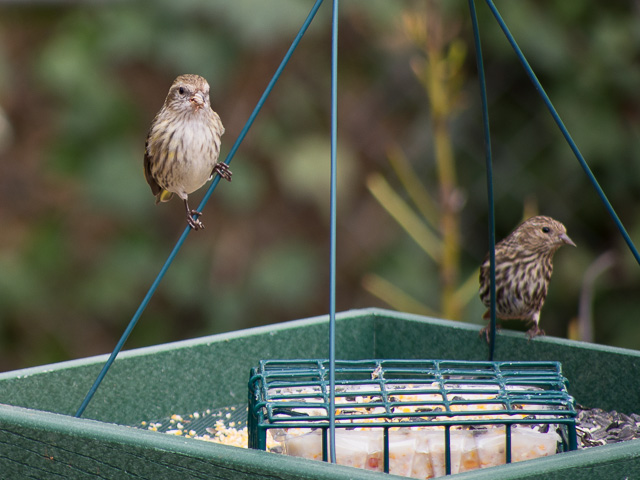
{"points": [[181, 90], [546, 229]]}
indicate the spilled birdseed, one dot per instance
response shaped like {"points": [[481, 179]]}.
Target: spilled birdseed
{"points": [[228, 425], [597, 427]]}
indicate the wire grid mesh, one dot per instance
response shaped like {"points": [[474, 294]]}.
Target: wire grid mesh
{"points": [[391, 394]]}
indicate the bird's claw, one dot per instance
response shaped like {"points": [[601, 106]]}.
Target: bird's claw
{"points": [[222, 169], [535, 331], [487, 331], [195, 223]]}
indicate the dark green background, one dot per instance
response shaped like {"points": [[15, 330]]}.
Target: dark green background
{"points": [[81, 239]]}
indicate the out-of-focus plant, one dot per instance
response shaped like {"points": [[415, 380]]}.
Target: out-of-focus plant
{"points": [[81, 239], [433, 222]]}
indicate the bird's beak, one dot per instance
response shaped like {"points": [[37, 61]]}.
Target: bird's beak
{"points": [[198, 100], [565, 238]]}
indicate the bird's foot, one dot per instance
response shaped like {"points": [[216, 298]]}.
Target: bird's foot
{"points": [[195, 223], [222, 169], [486, 331], [534, 331]]}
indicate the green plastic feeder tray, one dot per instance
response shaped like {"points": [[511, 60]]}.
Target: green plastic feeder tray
{"points": [[39, 437]]}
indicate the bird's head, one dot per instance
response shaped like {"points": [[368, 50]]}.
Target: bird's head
{"points": [[542, 234], [188, 94]]}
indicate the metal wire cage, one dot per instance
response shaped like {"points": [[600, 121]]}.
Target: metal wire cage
{"points": [[443, 403]]}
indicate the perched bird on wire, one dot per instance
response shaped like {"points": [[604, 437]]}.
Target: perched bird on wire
{"points": [[524, 263], [183, 144]]}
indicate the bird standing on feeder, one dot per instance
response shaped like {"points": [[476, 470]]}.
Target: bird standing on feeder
{"points": [[524, 263], [183, 144]]}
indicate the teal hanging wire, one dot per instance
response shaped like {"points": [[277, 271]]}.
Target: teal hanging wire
{"points": [[332, 233], [489, 168], [205, 199], [563, 129]]}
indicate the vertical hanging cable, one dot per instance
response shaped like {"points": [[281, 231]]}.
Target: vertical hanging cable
{"points": [[489, 167], [187, 230], [332, 267], [563, 129]]}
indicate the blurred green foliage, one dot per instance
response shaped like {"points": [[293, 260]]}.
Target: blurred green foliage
{"points": [[81, 239]]}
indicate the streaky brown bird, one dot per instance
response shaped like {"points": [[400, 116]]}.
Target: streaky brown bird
{"points": [[183, 144], [524, 263]]}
